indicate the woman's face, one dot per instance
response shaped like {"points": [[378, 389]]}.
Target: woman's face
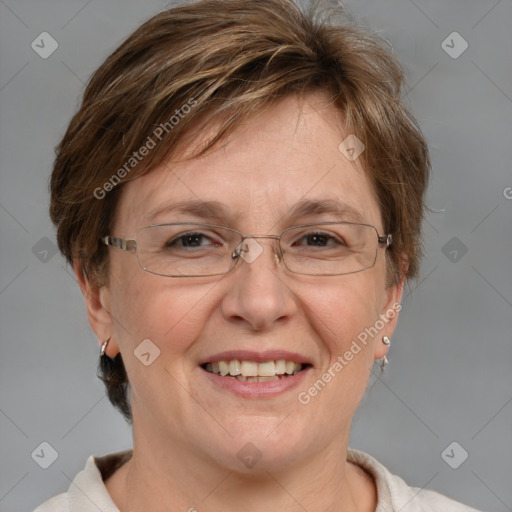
{"points": [[258, 312]]}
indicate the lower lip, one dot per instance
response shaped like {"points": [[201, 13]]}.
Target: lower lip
{"points": [[257, 389]]}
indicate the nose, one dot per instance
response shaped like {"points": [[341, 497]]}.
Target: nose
{"points": [[257, 295]]}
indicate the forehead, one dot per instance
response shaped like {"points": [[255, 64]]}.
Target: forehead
{"points": [[283, 165]]}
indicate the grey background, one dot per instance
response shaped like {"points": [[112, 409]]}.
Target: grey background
{"points": [[450, 372]]}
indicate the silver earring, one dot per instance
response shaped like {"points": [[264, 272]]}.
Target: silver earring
{"points": [[385, 361], [104, 347]]}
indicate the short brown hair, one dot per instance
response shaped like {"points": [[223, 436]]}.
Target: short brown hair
{"points": [[226, 60]]}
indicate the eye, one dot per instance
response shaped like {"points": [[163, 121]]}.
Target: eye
{"points": [[319, 239], [191, 239]]}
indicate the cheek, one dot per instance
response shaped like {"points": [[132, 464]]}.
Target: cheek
{"points": [[342, 317], [162, 310], [345, 308]]}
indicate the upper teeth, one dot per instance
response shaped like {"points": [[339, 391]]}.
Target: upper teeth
{"points": [[254, 369]]}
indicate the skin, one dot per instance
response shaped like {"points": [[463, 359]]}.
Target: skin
{"points": [[187, 432]]}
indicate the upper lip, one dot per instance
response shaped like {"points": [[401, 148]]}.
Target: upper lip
{"points": [[259, 357]]}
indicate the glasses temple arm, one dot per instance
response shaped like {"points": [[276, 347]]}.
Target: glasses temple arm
{"points": [[119, 243], [386, 239]]}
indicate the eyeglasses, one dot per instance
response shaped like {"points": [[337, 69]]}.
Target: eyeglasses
{"points": [[193, 250]]}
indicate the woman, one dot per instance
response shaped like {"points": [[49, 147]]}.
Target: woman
{"points": [[240, 195]]}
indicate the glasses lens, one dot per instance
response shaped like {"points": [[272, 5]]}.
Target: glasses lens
{"points": [[194, 249], [186, 249], [330, 249]]}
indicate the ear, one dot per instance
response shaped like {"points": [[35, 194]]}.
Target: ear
{"points": [[97, 302], [389, 315]]}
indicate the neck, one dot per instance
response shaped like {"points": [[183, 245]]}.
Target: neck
{"points": [[174, 479]]}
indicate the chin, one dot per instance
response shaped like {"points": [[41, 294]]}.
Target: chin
{"points": [[260, 445]]}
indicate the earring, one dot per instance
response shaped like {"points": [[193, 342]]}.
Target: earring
{"points": [[104, 347], [385, 361]]}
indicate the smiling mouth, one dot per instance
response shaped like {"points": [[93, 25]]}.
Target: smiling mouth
{"points": [[252, 371]]}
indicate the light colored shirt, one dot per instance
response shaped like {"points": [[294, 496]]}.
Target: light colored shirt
{"points": [[87, 492]]}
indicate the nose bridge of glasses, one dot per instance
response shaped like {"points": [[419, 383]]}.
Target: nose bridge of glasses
{"points": [[275, 237], [249, 251]]}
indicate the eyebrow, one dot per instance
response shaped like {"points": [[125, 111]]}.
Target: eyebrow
{"points": [[216, 211], [212, 210], [340, 210]]}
